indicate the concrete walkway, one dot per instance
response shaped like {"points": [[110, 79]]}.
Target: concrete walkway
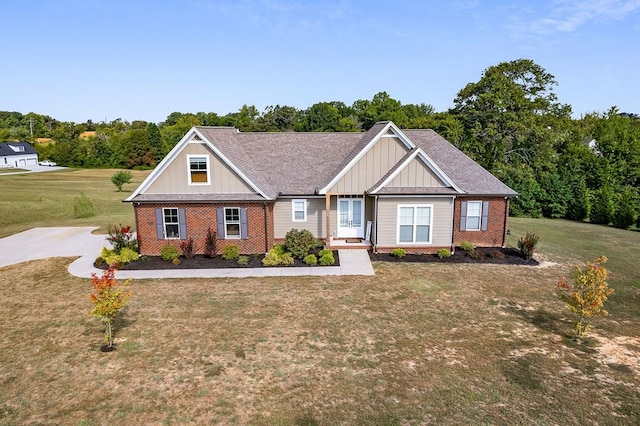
{"points": [[42, 243]]}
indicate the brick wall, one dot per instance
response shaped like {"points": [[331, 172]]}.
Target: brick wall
{"points": [[493, 236], [199, 217]]}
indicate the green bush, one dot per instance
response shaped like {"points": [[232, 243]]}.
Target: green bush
{"points": [[300, 243], [287, 259], [243, 260], [443, 253], [83, 207], [467, 246], [327, 259], [279, 249], [271, 259], [230, 252], [311, 260], [324, 251], [112, 258], [120, 178], [398, 252], [527, 244], [169, 253]]}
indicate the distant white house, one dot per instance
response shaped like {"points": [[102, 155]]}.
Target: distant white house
{"points": [[17, 154]]}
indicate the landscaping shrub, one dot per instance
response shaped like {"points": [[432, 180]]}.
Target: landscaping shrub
{"points": [[311, 260], [467, 246], [121, 237], [527, 244], [300, 243], [113, 259], [496, 254], [279, 249], [476, 254], [324, 251], [398, 252], [186, 247], [230, 252], [443, 253], [83, 207], [243, 260], [278, 256], [271, 259], [327, 259], [176, 261], [287, 259], [169, 253], [210, 244]]}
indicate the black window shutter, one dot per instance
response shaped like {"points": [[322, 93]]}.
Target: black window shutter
{"points": [[463, 216], [220, 221], [244, 232], [159, 224], [182, 223], [485, 215]]}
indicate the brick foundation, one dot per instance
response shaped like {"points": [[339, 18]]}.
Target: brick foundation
{"points": [[200, 217]]}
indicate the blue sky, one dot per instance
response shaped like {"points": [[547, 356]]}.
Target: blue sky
{"points": [[141, 60]]}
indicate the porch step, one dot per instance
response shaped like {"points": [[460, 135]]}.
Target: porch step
{"points": [[351, 243]]}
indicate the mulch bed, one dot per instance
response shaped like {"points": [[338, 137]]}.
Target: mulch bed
{"points": [[506, 256], [201, 262]]}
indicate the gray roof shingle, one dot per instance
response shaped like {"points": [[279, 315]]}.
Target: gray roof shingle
{"points": [[295, 163]]}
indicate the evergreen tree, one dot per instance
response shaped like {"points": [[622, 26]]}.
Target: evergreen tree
{"points": [[602, 206]]}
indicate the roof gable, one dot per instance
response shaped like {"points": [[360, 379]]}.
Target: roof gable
{"points": [[193, 136], [384, 129], [418, 170]]}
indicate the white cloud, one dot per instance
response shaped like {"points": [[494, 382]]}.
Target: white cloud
{"points": [[569, 15]]}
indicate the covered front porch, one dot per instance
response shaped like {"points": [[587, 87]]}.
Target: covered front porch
{"points": [[349, 221]]}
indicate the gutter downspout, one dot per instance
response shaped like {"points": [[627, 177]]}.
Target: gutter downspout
{"points": [[453, 224], [266, 228], [375, 225], [504, 228]]}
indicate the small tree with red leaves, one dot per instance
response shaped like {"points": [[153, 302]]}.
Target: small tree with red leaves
{"points": [[108, 299], [585, 297]]}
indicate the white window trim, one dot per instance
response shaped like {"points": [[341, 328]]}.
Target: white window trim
{"points": [[164, 223], [479, 217], [206, 157], [413, 243], [293, 209], [226, 231]]}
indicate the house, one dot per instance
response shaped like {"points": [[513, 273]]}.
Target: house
{"points": [[382, 189], [17, 154]]}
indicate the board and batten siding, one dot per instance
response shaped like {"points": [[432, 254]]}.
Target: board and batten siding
{"points": [[441, 220], [175, 178], [283, 220], [416, 174], [371, 167]]}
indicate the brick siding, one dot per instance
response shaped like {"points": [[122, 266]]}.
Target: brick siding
{"points": [[200, 217], [493, 236]]}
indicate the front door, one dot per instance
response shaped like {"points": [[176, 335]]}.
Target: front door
{"points": [[351, 217]]}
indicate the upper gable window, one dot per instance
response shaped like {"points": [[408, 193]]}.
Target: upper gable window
{"points": [[199, 170], [17, 148]]}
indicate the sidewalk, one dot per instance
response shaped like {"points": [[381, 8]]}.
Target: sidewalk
{"points": [[42, 243]]}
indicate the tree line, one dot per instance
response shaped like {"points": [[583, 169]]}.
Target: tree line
{"points": [[510, 121]]}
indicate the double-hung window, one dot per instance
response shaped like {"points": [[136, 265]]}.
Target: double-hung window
{"points": [[299, 210], [232, 222], [414, 224], [474, 215], [171, 223], [198, 169]]}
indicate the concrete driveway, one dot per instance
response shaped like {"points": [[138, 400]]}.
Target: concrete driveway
{"points": [[43, 243]]}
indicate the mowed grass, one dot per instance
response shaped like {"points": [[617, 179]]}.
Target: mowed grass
{"points": [[47, 199], [414, 344]]}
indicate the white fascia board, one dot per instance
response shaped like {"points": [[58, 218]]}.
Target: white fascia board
{"points": [[398, 133]]}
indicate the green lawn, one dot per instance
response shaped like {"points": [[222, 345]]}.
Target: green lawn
{"points": [[47, 199], [414, 344]]}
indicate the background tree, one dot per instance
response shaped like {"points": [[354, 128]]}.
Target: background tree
{"points": [[626, 206], [120, 178], [602, 206]]}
